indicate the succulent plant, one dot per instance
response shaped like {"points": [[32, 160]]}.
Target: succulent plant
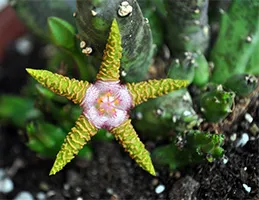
{"points": [[241, 84], [105, 104], [189, 148], [93, 21], [160, 115], [187, 25], [237, 44], [216, 104], [217, 73]]}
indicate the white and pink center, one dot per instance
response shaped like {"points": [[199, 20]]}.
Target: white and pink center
{"points": [[106, 104]]}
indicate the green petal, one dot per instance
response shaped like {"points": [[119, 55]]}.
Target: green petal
{"points": [[72, 89], [75, 140], [130, 141], [109, 69], [145, 90]]}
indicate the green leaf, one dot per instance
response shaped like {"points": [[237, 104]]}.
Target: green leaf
{"points": [[62, 33], [17, 110]]}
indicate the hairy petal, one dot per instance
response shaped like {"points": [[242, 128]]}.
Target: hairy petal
{"points": [[71, 88], [75, 140], [145, 90], [130, 141]]}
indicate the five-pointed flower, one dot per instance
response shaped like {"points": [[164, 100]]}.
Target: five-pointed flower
{"points": [[105, 104]]}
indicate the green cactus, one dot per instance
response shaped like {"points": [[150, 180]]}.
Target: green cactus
{"points": [[172, 111], [216, 104], [93, 22], [202, 71], [241, 84], [187, 25], [182, 67], [189, 148], [190, 66], [236, 49], [153, 11]]}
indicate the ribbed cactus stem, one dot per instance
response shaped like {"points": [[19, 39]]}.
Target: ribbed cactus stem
{"points": [[72, 89], [75, 140], [130, 141], [145, 90], [109, 69]]}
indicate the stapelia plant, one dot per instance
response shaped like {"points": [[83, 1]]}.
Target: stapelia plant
{"points": [[105, 104]]}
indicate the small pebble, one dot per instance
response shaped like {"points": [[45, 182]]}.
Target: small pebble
{"points": [[159, 189], [233, 137], [6, 185], [44, 186], [79, 198], [41, 196], [66, 186], [243, 140], [155, 181], [254, 129], [247, 188], [125, 9], [24, 196], [225, 159], [109, 191], [51, 193], [249, 118]]}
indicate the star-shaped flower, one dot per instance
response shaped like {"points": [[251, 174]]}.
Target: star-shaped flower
{"points": [[105, 104]]}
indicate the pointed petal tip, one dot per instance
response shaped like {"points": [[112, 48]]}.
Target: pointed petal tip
{"points": [[152, 171], [52, 172], [29, 70]]}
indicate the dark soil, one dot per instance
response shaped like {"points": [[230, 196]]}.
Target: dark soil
{"points": [[113, 175]]}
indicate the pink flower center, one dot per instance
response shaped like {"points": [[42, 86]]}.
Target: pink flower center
{"points": [[106, 104]]}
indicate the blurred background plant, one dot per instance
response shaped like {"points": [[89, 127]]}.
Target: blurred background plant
{"points": [[160, 39]]}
